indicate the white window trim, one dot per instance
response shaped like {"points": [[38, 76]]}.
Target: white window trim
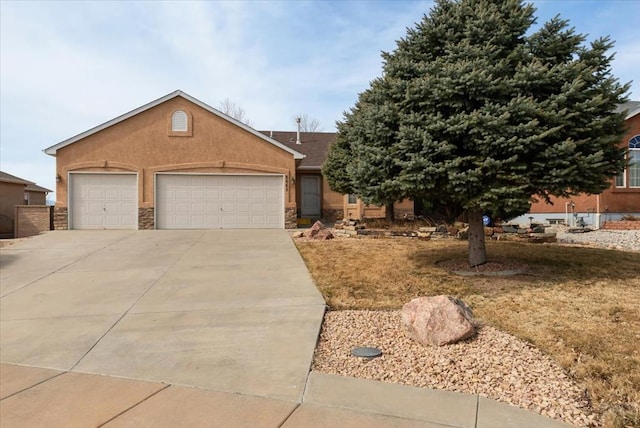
{"points": [[636, 150]]}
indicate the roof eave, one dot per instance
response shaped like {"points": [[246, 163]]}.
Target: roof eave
{"points": [[632, 113]]}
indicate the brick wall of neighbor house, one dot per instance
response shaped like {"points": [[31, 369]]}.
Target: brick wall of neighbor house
{"points": [[145, 145], [146, 219], [612, 200], [60, 218], [621, 225], [31, 220]]}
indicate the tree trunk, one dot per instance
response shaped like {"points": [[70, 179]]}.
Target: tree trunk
{"points": [[388, 212], [477, 249]]}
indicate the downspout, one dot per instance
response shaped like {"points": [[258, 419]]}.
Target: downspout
{"points": [[598, 211]]}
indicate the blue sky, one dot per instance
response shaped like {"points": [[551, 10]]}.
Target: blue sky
{"points": [[68, 66]]}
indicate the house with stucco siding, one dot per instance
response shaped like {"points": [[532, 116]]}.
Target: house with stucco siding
{"points": [[178, 163]]}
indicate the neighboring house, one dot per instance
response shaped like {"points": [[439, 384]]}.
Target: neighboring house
{"points": [[622, 198], [17, 191]]}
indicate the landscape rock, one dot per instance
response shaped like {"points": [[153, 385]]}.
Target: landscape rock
{"points": [[323, 235], [318, 232], [507, 228], [463, 234], [437, 320], [313, 230]]}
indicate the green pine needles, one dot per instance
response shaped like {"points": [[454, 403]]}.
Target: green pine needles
{"points": [[473, 112]]}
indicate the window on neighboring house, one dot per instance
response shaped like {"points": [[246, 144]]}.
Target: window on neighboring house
{"points": [[621, 178], [179, 121], [26, 198], [352, 199], [634, 161]]}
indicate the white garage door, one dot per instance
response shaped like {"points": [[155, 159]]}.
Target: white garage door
{"points": [[190, 201], [103, 201]]}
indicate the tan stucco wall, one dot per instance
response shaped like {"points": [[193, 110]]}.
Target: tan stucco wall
{"points": [[330, 199], [11, 194], [359, 210], [37, 198], [145, 144]]}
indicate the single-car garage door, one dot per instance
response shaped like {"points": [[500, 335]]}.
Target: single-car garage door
{"points": [[103, 201], [196, 201]]}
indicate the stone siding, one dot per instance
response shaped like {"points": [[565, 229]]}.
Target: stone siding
{"points": [[31, 220], [332, 215], [290, 218], [60, 218], [146, 219]]}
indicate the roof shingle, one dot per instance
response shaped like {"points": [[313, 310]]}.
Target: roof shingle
{"points": [[313, 145]]}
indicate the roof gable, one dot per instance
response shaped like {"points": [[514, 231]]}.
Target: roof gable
{"points": [[53, 149]]}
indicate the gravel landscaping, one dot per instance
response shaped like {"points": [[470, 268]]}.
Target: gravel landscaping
{"points": [[626, 240], [493, 364]]}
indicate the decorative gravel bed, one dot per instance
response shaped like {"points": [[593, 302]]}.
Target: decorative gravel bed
{"points": [[625, 240], [492, 364]]}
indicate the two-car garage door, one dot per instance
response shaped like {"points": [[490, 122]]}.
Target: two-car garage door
{"points": [[183, 201], [190, 201]]}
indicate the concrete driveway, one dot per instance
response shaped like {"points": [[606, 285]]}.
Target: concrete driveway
{"points": [[225, 310]]}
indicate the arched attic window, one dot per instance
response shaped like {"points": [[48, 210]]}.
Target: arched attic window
{"points": [[179, 121]]}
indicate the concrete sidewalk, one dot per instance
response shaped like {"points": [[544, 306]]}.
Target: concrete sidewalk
{"points": [[33, 397], [187, 328]]}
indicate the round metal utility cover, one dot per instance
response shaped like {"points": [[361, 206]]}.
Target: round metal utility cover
{"points": [[366, 352]]}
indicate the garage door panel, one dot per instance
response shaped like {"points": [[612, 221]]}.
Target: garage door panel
{"points": [[103, 201], [219, 201], [182, 194]]}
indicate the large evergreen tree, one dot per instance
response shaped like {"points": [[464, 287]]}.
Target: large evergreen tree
{"points": [[472, 111]]}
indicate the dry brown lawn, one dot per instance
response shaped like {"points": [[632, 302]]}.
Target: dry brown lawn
{"points": [[579, 305]]}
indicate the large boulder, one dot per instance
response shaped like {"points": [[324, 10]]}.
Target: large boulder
{"points": [[319, 232], [437, 320]]}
